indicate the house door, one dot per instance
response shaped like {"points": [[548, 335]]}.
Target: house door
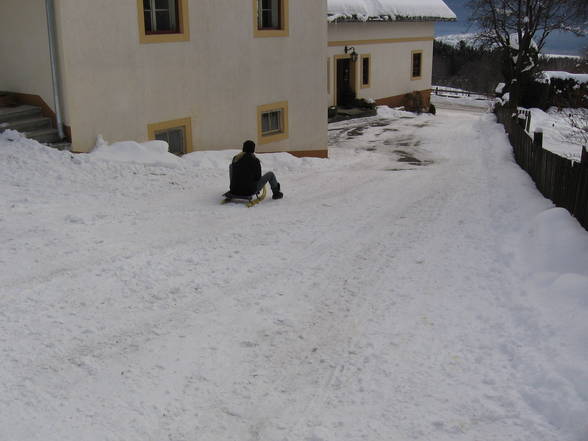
{"points": [[345, 82]]}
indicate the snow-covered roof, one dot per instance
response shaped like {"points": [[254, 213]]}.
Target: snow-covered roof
{"points": [[388, 10]]}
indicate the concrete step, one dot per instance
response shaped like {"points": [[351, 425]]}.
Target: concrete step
{"points": [[26, 124], [19, 112], [63, 145], [44, 136]]}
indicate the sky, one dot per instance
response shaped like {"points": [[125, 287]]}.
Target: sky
{"points": [[560, 43]]}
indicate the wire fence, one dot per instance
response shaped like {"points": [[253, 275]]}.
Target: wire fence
{"points": [[562, 180]]}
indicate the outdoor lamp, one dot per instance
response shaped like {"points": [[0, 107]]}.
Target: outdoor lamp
{"points": [[353, 53]]}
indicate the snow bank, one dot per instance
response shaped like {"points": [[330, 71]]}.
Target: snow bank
{"points": [[150, 152], [39, 174], [548, 75], [389, 112], [274, 161], [555, 243], [210, 159], [549, 56], [115, 167], [27, 162], [553, 250], [364, 10]]}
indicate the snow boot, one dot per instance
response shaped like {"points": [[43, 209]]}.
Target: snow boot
{"points": [[277, 194]]}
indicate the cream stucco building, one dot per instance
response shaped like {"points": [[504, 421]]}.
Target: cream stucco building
{"points": [[201, 74], [206, 74], [382, 50]]}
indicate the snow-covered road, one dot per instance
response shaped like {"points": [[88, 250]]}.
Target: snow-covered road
{"points": [[388, 296]]}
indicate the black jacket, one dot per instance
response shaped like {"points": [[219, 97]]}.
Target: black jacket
{"points": [[245, 171]]}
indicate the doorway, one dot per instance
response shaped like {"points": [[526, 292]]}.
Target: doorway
{"points": [[345, 82]]}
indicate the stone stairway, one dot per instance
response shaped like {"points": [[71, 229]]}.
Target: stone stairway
{"points": [[29, 121]]}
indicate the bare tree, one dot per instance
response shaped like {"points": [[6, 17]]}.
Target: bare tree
{"points": [[519, 28], [581, 8]]}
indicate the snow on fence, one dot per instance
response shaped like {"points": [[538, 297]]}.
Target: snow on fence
{"points": [[452, 92], [562, 180]]}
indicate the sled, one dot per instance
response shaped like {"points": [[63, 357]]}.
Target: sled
{"points": [[250, 200]]}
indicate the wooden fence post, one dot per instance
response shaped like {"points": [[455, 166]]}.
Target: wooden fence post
{"points": [[538, 139]]}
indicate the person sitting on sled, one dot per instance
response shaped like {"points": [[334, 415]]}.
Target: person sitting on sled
{"points": [[245, 174]]}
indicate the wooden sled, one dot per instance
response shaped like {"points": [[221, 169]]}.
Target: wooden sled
{"points": [[250, 200]]}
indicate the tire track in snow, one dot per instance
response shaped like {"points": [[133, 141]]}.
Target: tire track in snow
{"points": [[373, 277], [136, 334]]}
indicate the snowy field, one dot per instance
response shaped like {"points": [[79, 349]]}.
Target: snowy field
{"points": [[414, 286], [559, 135], [456, 99]]}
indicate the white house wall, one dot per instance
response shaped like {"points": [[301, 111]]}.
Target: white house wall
{"points": [[390, 46], [380, 30], [24, 49], [116, 86]]}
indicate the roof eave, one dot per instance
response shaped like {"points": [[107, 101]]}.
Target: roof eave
{"points": [[383, 18]]}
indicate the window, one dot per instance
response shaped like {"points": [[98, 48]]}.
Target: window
{"points": [[175, 138], [271, 18], [365, 71], [416, 71], [163, 21], [177, 133], [160, 16], [272, 122]]}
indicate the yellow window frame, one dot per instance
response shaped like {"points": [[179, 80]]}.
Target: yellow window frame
{"points": [[362, 83], [284, 20], [183, 23], [420, 75], [281, 106]]}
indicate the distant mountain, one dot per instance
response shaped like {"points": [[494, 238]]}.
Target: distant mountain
{"points": [[455, 39], [562, 43]]}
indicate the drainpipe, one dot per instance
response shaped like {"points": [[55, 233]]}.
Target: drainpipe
{"points": [[50, 8]]}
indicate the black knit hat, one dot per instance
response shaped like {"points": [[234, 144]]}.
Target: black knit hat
{"points": [[249, 146]]}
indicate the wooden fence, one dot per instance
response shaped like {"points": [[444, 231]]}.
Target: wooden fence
{"points": [[562, 180]]}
